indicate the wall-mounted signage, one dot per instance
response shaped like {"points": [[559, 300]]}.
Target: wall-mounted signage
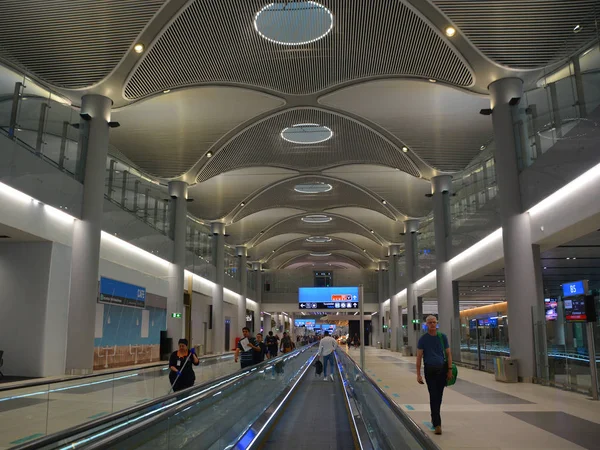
{"points": [[308, 323], [176, 315], [328, 297], [120, 293], [575, 288], [575, 309]]}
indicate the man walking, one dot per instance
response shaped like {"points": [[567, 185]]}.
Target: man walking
{"points": [[272, 344], [326, 349], [431, 348], [247, 347]]}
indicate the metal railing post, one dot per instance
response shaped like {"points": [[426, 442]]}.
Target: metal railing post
{"points": [[41, 128], [111, 176], [136, 191], [124, 188], [15, 110], [63, 145]]}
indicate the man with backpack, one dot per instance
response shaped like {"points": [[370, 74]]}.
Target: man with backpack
{"points": [[433, 348]]}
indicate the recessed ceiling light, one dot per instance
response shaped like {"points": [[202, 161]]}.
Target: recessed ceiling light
{"points": [[273, 251], [450, 31], [209, 155], [318, 239], [545, 267], [242, 204], [372, 231], [431, 80], [316, 218], [405, 149], [293, 23], [306, 133], [384, 202], [482, 148], [577, 28], [166, 91], [568, 258], [320, 254], [138, 48], [313, 188]]}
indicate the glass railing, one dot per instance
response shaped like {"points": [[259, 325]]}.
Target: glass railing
{"points": [[56, 406], [211, 416], [386, 424]]}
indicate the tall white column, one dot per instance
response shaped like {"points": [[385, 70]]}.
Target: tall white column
{"points": [[519, 266], [218, 230], [86, 235], [411, 228], [257, 268], [441, 187], [382, 297], [395, 317], [178, 191], [243, 277], [266, 324]]}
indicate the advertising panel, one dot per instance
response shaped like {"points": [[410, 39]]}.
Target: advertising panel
{"points": [[339, 298], [120, 293], [575, 309], [550, 306]]}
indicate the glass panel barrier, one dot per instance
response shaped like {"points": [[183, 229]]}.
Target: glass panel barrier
{"points": [[387, 426], [54, 407]]}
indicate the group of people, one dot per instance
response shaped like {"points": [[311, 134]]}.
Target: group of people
{"points": [[250, 351]]}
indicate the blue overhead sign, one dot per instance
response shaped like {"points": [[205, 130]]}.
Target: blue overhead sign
{"points": [[119, 293], [573, 289], [328, 297]]}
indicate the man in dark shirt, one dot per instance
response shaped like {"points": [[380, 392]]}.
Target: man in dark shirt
{"points": [[247, 347], [272, 344], [259, 356], [431, 348]]}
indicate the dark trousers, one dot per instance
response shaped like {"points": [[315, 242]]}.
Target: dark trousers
{"points": [[435, 377]]}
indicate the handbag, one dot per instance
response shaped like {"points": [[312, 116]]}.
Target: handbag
{"points": [[454, 368]]}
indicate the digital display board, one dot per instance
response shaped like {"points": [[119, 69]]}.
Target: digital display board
{"points": [[328, 297], [574, 288], [575, 309], [308, 323], [119, 293], [551, 306]]}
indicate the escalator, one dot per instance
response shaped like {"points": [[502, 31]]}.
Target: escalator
{"points": [[278, 403]]}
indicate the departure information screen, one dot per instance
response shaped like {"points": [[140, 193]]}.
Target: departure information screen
{"points": [[338, 298]]}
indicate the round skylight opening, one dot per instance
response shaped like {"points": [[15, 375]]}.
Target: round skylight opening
{"points": [[318, 239], [313, 188], [320, 254], [293, 23], [316, 218], [307, 133]]}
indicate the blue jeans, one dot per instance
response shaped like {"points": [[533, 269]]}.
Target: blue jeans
{"points": [[328, 359]]}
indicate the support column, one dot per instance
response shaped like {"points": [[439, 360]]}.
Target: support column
{"points": [[521, 292], [178, 191], [218, 231], [257, 268], [382, 293], [456, 325], [395, 318], [266, 324], [411, 228], [579, 87], [243, 277], [95, 112]]}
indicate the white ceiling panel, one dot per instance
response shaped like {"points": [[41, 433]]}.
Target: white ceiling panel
{"points": [[250, 226], [167, 134], [440, 124]]}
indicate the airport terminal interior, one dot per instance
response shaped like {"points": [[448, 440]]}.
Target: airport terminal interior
{"points": [[173, 171]]}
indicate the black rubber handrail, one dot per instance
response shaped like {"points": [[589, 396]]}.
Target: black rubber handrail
{"points": [[94, 375]]}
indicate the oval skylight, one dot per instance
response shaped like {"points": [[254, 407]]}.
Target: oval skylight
{"points": [[320, 254], [313, 188], [316, 218], [293, 23], [307, 133], [318, 239]]}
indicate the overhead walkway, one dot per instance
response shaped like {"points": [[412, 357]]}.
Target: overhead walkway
{"points": [[50, 406], [278, 403]]}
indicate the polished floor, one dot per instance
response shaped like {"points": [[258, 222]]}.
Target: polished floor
{"points": [[481, 413]]}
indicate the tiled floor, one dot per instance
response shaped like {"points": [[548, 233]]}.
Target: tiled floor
{"points": [[481, 413]]}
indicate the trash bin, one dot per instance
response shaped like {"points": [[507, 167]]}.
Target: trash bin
{"points": [[406, 351], [506, 369]]}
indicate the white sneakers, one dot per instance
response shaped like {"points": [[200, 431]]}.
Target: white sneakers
{"points": [[331, 377], [324, 378], [328, 378]]}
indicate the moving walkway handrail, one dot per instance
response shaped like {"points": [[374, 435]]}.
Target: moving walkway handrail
{"points": [[53, 438], [113, 419], [98, 374], [417, 432]]}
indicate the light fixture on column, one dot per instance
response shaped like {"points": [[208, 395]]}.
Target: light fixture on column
{"points": [[139, 48], [486, 112], [114, 124], [514, 101], [85, 116]]}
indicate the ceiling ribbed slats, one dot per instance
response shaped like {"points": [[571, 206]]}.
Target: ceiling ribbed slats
{"points": [[262, 145], [213, 42], [284, 195], [71, 44], [524, 34]]}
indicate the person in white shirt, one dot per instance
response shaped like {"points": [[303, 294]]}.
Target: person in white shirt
{"points": [[326, 348]]}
